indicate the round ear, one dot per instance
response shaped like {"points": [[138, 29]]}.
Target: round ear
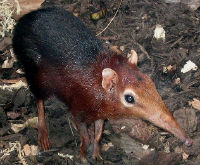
{"points": [[110, 79], [132, 57]]}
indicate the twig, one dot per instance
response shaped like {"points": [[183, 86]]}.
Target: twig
{"points": [[177, 41], [71, 129], [70, 126], [110, 20], [147, 54], [18, 7], [13, 81], [143, 50], [109, 38]]}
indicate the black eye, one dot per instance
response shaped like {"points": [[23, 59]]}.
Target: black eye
{"points": [[129, 99]]}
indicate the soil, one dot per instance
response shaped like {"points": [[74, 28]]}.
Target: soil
{"points": [[132, 27]]}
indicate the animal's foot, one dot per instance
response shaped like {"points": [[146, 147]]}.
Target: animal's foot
{"points": [[97, 156], [43, 139], [84, 160]]}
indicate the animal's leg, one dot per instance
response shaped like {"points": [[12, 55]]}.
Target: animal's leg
{"points": [[43, 139], [84, 137], [98, 126]]}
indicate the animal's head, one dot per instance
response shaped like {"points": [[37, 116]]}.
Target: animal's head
{"points": [[130, 93]]}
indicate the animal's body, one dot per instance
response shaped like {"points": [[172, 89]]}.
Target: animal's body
{"points": [[62, 57]]}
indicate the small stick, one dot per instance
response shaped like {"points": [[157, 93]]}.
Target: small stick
{"points": [[147, 54], [143, 50], [177, 41], [71, 130], [110, 20], [70, 126], [13, 81]]}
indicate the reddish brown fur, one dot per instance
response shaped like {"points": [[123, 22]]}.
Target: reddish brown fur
{"points": [[81, 88], [62, 57]]}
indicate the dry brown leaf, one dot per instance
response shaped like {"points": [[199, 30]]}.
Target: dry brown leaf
{"points": [[195, 103], [98, 15], [14, 146], [5, 43], [17, 127], [30, 150], [107, 132], [185, 156], [6, 21], [76, 14], [122, 48], [167, 147], [25, 6], [169, 68], [27, 150], [66, 156], [106, 147], [135, 128], [145, 17], [34, 150], [33, 122], [13, 115], [198, 157], [20, 71], [8, 63], [187, 118], [14, 86], [133, 147], [116, 49], [177, 81]]}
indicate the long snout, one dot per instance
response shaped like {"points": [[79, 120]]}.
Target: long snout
{"points": [[165, 120]]}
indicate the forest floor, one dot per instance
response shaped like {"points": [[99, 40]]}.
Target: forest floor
{"points": [[163, 59]]}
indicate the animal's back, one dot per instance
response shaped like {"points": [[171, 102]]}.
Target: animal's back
{"points": [[55, 35], [52, 43]]}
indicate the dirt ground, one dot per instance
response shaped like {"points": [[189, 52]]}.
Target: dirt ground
{"points": [[133, 28]]}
